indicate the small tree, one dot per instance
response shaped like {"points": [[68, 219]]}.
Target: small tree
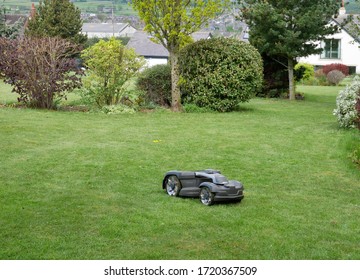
{"points": [[220, 73], [39, 69], [171, 22], [57, 18], [304, 72], [110, 65]]}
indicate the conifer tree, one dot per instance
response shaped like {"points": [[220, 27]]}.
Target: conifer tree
{"points": [[56, 18], [289, 28]]}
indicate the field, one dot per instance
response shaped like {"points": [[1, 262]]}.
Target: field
{"points": [[121, 7], [90, 6], [77, 185]]}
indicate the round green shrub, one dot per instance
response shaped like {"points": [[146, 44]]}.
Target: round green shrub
{"points": [[304, 72], [219, 73], [155, 82]]}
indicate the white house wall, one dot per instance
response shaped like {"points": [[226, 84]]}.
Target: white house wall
{"points": [[350, 53], [155, 61]]}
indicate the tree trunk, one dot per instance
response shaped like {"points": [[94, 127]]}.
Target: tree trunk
{"points": [[291, 79], [175, 76]]}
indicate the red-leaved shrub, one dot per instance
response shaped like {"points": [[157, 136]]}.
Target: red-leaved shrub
{"points": [[336, 66], [40, 70]]}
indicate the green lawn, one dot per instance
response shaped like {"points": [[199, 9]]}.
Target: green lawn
{"points": [[79, 185]]}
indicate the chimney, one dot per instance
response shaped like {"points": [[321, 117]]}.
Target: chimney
{"points": [[342, 10], [31, 15]]}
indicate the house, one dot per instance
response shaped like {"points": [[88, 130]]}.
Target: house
{"points": [[155, 53], [107, 30], [342, 47]]}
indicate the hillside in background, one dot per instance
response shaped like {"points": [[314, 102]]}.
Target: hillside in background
{"points": [[118, 7], [119, 10], [352, 7]]}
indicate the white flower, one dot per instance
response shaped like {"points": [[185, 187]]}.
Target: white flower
{"points": [[345, 104]]}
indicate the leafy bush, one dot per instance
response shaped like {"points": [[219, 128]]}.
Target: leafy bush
{"points": [[110, 66], [156, 84], [334, 77], [320, 78], [219, 73], [336, 66], [303, 72], [40, 70], [346, 105]]}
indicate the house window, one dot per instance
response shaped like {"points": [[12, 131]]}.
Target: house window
{"points": [[331, 49]]}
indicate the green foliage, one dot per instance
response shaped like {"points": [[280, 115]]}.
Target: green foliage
{"points": [[110, 66], [289, 28], [156, 84], [304, 72], [275, 77], [320, 78], [346, 102], [171, 23], [57, 18], [40, 70], [219, 73]]}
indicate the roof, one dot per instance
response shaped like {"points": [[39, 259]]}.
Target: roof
{"points": [[143, 45], [12, 19], [104, 27], [344, 22]]}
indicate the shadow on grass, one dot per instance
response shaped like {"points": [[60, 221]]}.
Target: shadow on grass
{"points": [[216, 204]]}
